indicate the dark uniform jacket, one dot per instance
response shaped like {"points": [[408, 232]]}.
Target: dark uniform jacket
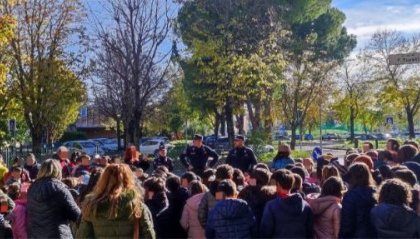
{"points": [[163, 161], [242, 158], [198, 157]]}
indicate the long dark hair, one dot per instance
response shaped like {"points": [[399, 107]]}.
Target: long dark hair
{"points": [[360, 176]]}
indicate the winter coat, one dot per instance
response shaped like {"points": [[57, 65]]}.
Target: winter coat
{"points": [[177, 201], [32, 170], [99, 226], [189, 220], [256, 199], [161, 214], [242, 158], [230, 218], [289, 217], [50, 209], [281, 162], [327, 212], [392, 221], [163, 161], [18, 220], [207, 203], [355, 213]]}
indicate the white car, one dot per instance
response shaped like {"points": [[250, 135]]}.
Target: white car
{"points": [[151, 147], [86, 146]]}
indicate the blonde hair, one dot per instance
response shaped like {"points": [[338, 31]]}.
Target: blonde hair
{"points": [[116, 179], [50, 168]]}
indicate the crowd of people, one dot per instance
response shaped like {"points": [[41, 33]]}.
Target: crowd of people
{"points": [[369, 194]]}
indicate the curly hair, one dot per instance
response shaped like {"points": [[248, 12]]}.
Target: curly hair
{"points": [[394, 191]]}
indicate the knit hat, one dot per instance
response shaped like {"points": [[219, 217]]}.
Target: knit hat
{"points": [[364, 159]]}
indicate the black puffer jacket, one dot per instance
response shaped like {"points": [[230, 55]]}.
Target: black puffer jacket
{"points": [[50, 209]]}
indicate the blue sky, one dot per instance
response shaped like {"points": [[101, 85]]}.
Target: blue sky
{"points": [[364, 17]]}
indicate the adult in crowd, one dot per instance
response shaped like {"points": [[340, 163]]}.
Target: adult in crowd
{"points": [[240, 156], [115, 209], [32, 166], [133, 158], [162, 159], [50, 204], [189, 220], [62, 155], [196, 157], [282, 159]]}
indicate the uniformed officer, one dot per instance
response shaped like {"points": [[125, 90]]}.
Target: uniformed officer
{"points": [[240, 156], [196, 157], [163, 159]]}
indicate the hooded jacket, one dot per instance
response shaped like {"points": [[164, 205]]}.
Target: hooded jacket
{"points": [[230, 218], [18, 220], [289, 217], [207, 203], [392, 221], [280, 162], [99, 226], [189, 220], [327, 212], [50, 209], [355, 213]]}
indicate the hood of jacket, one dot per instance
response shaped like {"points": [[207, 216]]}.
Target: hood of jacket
{"points": [[232, 208], [320, 204], [293, 205]]}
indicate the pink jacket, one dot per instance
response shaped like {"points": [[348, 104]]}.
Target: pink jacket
{"points": [[189, 220], [327, 212], [18, 220]]}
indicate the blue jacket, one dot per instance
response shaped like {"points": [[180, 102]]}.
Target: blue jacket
{"points": [[230, 218], [281, 162], [355, 213], [290, 217], [392, 221]]}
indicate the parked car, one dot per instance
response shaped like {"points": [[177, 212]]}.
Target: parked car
{"points": [[221, 145], [85, 146], [383, 136], [330, 136], [151, 147], [111, 145], [308, 137], [364, 137]]}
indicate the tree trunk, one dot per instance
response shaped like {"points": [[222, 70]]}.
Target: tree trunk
{"points": [[133, 132], [352, 117], [410, 119], [240, 124], [293, 136], [253, 116], [36, 142], [118, 134], [222, 124], [229, 121], [216, 123]]}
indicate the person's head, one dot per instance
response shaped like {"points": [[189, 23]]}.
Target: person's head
{"points": [[196, 187], [239, 141], [406, 153], [360, 176], [284, 180], [300, 171], [63, 153], [262, 165], [16, 172], [394, 191], [84, 160], [261, 177], [115, 180], [131, 154], [13, 191], [367, 146], [298, 183], [386, 172], [187, 178], [173, 183], [162, 169], [333, 186], [155, 185], [392, 145], [413, 143], [75, 156], [226, 189], [329, 171], [348, 160], [364, 159], [71, 182], [407, 176], [163, 152], [284, 150], [103, 161], [373, 154], [116, 159], [93, 180], [224, 171], [208, 176], [30, 159], [198, 141], [238, 178], [50, 168], [309, 164]]}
